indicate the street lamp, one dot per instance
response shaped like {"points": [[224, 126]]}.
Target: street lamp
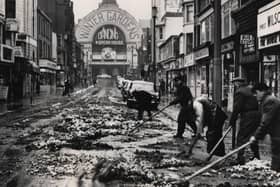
{"points": [[154, 16]]}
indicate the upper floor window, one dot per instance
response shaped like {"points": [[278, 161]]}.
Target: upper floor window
{"points": [[228, 24], [10, 8], [189, 43], [160, 33], [203, 4], [207, 30], [188, 13]]}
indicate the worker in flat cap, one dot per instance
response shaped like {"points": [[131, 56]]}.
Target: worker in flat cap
{"points": [[183, 96], [245, 106]]}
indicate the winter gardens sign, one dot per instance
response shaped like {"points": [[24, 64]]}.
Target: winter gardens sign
{"points": [[87, 28]]}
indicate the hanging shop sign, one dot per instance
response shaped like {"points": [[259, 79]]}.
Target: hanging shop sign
{"points": [[248, 43], [12, 25], [227, 47], [2, 8], [269, 19], [44, 63], [7, 54]]}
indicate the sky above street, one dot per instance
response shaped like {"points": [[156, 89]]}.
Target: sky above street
{"points": [[140, 9]]}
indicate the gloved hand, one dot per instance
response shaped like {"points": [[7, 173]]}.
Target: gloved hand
{"points": [[253, 140]]}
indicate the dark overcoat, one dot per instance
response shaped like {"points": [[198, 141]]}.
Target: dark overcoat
{"points": [[270, 124], [245, 105]]}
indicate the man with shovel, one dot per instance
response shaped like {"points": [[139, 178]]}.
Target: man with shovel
{"points": [[246, 105], [184, 97], [209, 114], [270, 123]]}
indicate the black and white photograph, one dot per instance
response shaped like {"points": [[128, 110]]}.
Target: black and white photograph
{"points": [[139, 93]]}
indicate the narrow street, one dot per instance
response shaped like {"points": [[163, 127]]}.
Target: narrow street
{"points": [[70, 141]]}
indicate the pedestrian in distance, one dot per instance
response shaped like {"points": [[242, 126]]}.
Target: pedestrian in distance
{"points": [[183, 96], [67, 87], [270, 123], [144, 102], [162, 87], [246, 106]]}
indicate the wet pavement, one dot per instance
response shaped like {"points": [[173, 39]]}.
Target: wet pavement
{"points": [[84, 140]]}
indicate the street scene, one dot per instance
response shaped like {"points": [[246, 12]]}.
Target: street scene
{"points": [[78, 141], [127, 93]]}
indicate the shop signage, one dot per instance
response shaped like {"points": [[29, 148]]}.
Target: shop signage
{"points": [[109, 35], [3, 92], [189, 61], [269, 19], [172, 5], [227, 47], [44, 63], [111, 16], [12, 25], [2, 8], [269, 41], [18, 52], [108, 63], [7, 54], [248, 43], [202, 53]]}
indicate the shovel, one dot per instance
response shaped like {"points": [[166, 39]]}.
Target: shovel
{"points": [[202, 170], [217, 145], [141, 124], [196, 138]]}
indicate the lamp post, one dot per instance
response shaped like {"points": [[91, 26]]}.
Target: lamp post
{"points": [[154, 16]]}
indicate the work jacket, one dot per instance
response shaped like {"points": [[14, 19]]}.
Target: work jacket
{"points": [[270, 124]]}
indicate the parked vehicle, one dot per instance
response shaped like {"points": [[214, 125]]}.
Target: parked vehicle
{"points": [[142, 86], [119, 82]]}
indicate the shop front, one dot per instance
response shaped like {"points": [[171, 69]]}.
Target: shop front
{"points": [[228, 62], [249, 57], [6, 65], [25, 74], [191, 73], [269, 43], [47, 77], [204, 70]]}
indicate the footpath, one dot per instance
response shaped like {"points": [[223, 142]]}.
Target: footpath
{"points": [[28, 102]]}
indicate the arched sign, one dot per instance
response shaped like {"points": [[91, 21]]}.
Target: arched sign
{"points": [[86, 28]]}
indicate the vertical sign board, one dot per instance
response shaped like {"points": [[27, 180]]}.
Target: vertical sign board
{"points": [[2, 8]]}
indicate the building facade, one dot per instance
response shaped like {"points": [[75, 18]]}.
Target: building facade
{"points": [[47, 64], [169, 25], [6, 56], [268, 33], [62, 15], [22, 15], [110, 38]]}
